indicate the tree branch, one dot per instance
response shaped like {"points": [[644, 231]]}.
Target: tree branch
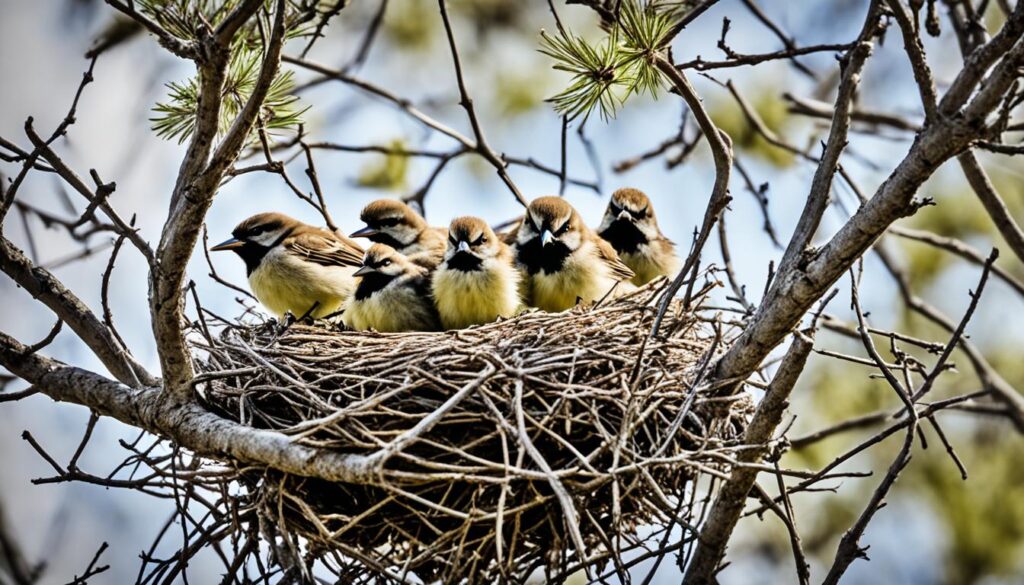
{"points": [[187, 424], [198, 181], [43, 286], [732, 495], [721, 152], [797, 289]]}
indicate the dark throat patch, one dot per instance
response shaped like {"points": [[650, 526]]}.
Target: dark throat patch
{"points": [[535, 257], [252, 254], [624, 236], [371, 283], [465, 262]]}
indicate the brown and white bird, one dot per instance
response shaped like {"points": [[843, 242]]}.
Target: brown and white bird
{"points": [[477, 281], [630, 226], [392, 222], [565, 260], [392, 295], [295, 267]]}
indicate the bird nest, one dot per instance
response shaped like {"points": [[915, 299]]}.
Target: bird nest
{"points": [[542, 442]]}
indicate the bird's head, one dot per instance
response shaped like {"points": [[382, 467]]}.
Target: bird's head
{"points": [[257, 235], [470, 242], [552, 222], [391, 222], [383, 261], [630, 210]]}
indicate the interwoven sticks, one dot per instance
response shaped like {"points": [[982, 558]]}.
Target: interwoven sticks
{"points": [[505, 448]]}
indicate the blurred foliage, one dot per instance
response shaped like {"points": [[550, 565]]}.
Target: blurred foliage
{"points": [[412, 25], [175, 119], [984, 516], [388, 172], [839, 391], [957, 213], [519, 92], [994, 18], [490, 15], [728, 116]]}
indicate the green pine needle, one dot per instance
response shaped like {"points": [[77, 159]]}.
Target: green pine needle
{"points": [[595, 78], [175, 119], [186, 18], [605, 75]]}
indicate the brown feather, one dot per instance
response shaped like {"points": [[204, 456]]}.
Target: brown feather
{"points": [[608, 255], [324, 247]]}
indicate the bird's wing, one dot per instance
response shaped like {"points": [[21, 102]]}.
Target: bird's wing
{"points": [[508, 234], [611, 259], [326, 248], [665, 242]]}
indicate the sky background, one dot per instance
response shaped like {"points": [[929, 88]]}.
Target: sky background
{"points": [[41, 62]]}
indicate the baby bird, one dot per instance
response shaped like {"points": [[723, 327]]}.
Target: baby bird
{"points": [[294, 267], [476, 282], [394, 223], [565, 260], [630, 227], [392, 295]]}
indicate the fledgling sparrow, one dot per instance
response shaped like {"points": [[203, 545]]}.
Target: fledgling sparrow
{"points": [[294, 267], [630, 226], [566, 261], [392, 294], [392, 222], [477, 281]]}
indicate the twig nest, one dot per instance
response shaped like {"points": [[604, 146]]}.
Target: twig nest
{"points": [[568, 431]]}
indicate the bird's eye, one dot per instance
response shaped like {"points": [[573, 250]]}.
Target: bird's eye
{"points": [[388, 222], [642, 212], [563, 229], [478, 241], [385, 262], [614, 209], [453, 241], [533, 224]]}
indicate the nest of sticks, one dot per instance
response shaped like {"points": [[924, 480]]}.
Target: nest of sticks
{"points": [[542, 442]]}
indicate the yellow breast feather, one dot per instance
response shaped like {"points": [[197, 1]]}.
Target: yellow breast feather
{"points": [[390, 311], [481, 296], [284, 284]]}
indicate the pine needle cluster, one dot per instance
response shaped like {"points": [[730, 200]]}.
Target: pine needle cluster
{"points": [[175, 118], [605, 74]]}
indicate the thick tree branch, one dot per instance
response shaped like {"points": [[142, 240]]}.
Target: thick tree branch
{"points": [[798, 288], [732, 496], [821, 186], [972, 169], [197, 184], [42, 285], [185, 423]]}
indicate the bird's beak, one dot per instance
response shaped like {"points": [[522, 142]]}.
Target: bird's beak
{"points": [[625, 215], [230, 244], [364, 270], [364, 233], [463, 246], [546, 238]]}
